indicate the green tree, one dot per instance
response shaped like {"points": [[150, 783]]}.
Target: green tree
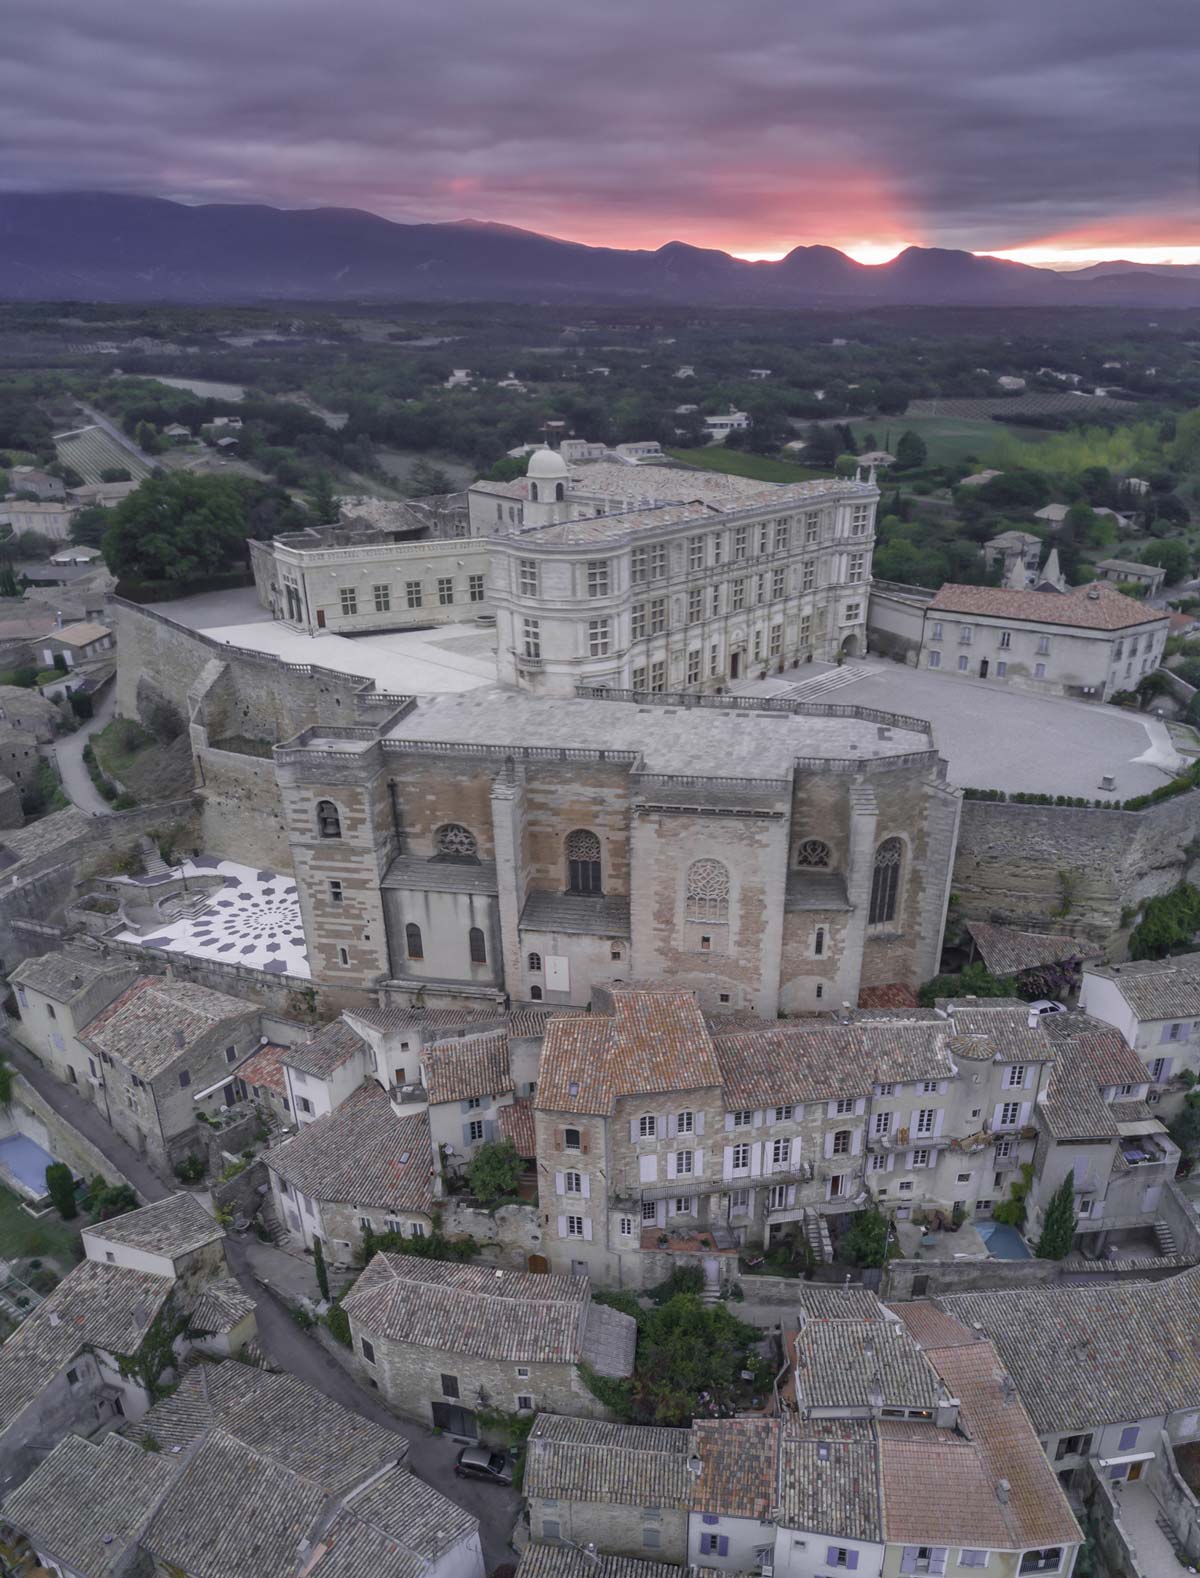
{"points": [[81, 704], [145, 436], [686, 1347], [320, 1268], [60, 1186], [8, 581], [508, 468], [974, 980], [107, 1200], [865, 1241], [494, 1172], [1184, 1128], [89, 525], [846, 465], [180, 526], [425, 480], [1170, 555], [1058, 1224], [321, 500], [911, 453]]}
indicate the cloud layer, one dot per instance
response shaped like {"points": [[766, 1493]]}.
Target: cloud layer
{"points": [[751, 127]]}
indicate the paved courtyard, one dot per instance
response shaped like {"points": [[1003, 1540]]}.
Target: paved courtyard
{"points": [[995, 738], [253, 919]]}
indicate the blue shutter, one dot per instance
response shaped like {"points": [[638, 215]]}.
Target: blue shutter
{"points": [[722, 1545]]}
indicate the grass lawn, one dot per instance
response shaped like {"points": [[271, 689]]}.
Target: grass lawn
{"points": [[48, 1237], [149, 771], [736, 463], [948, 439]]}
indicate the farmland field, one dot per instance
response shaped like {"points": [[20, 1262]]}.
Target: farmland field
{"points": [[90, 451]]}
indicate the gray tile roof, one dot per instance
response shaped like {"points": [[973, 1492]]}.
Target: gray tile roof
{"points": [[1156, 988], [831, 1487], [205, 1391], [819, 1061], [157, 1020], [840, 1363], [328, 1050], [361, 1154], [563, 1561], [1083, 1357], [486, 1313], [441, 876], [400, 1522], [1007, 951], [94, 1306], [169, 1227], [1090, 1058], [466, 1067], [827, 1301], [64, 976], [586, 1460], [220, 1306], [234, 1513], [87, 1503], [589, 915]]}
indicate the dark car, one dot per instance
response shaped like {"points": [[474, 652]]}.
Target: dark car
{"points": [[480, 1463]]}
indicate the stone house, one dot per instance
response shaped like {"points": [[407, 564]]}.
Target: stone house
{"points": [[30, 712], [78, 644], [321, 1073], [564, 1561], [57, 995], [20, 756], [1087, 642], [1128, 572], [399, 1036], [160, 1050], [1155, 1004], [175, 1237], [1010, 547], [468, 1082], [32, 479], [485, 843], [442, 1340], [730, 1523], [264, 1078], [275, 1480], [369, 1163]]}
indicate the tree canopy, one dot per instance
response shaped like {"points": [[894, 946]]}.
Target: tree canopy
{"points": [[1058, 1225], [181, 526]]}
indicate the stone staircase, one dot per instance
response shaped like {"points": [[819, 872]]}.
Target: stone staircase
{"points": [[1165, 1239], [154, 863], [270, 1223], [816, 1231], [711, 1291], [1173, 1540], [186, 906]]}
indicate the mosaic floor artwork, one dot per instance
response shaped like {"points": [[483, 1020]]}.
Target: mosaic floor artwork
{"points": [[253, 919]]}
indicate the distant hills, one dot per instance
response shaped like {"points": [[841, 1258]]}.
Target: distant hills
{"points": [[96, 246]]}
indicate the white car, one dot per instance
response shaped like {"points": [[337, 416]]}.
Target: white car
{"points": [[1046, 1005]]}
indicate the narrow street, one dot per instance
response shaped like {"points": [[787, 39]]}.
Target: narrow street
{"points": [[282, 1340], [72, 769]]}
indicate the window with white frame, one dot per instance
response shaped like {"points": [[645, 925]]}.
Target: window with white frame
{"points": [[926, 1120], [598, 637], [684, 1162], [778, 582], [531, 634], [808, 576], [349, 599], [685, 1122], [475, 588], [527, 577], [383, 598], [965, 635], [740, 1157], [649, 1211], [1015, 1075], [574, 1227], [597, 577], [883, 1123], [695, 553], [1010, 1112], [637, 621], [682, 1205], [695, 605], [843, 1105], [445, 590], [783, 1114], [625, 1227], [412, 594], [573, 1182], [856, 567], [920, 1157], [742, 1119], [693, 666], [658, 615]]}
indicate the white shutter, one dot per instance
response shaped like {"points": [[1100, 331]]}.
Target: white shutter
{"points": [[908, 1161], [891, 1166], [756, 1151], [758, 1118], [938, 1121], [913, 1119], [829, 1188], [831, 1109], [660, 1213], [860, 1106], [729, 1120], [727, 1162], [791, 1194], [1026, 1109], [670, 1164], [856, 1143], [560, 1183], [562, 1227], [587, 1185], [587, 1227], [648, 1168], [794, 1150], [699, 1162], [1080, 1173], [672, 1124], [998, 1115], [633, 1130], [1031, 1074], [699, 1120], [829, 1144]]}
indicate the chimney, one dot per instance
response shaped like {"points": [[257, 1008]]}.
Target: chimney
{"points": [[1003, 1492]]}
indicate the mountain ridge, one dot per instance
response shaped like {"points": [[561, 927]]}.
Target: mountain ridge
{"points": [[122, 248]]}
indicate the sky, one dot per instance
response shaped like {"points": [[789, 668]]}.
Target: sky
{"points": [[1049, 130]]}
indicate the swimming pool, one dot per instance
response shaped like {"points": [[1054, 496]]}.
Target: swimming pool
{"points": [[25, 1162], [1003, 1242]]}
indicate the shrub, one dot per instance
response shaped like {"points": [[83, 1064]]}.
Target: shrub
{"points": [[191, 1169], [494, 1172], [338, 1324]]}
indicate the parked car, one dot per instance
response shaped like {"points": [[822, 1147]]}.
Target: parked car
{"points": [[480, 1463], [1046, 1005]]}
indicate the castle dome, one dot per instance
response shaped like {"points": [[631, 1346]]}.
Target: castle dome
{"points": [[547, 465]]}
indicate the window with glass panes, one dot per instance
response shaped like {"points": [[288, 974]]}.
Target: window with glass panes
{"points": [[637, 621], [349, 599], [527, 577], [445, 590], [695, 553], [598, 638], [695, 607], [597, 578], [693, 666], [383, 599], [412, 594], [531, 631], [658, 616], [778, 582], [475, 588]]}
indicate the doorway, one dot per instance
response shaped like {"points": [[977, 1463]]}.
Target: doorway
{"points": [[735, 665], [455, 1421], [538, 1265], [320, 619], [983, 668]]}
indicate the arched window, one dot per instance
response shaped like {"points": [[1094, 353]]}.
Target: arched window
{"points": [[707, 891], [453, 842], [535, 963], [329, 823], [885, 882], [819, 942], [533, 491], [535, 993], [583, 862], [813, 853], [477, 945], [412, 941], [560, 492]]}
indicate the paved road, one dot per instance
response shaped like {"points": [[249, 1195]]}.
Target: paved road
{"points": [[87, 1118], [72, 769], [431, 1457]]}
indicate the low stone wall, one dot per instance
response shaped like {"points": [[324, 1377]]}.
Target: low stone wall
{"points": [[511, 1233], [33, 1117], [244, 1193], [918, 1279]]}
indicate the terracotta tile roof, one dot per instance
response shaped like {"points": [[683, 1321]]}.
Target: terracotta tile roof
{"points": [[737, 1474], [156, 1022], [362, 1154], [483, 1312], [1153, 988], [1090, 1057], [430, 1021], [1108, 610], [656, 1041], [916, 1508], [265, 1069], [831, 1486], [169, 1227], [517, 1125], [1082, 1357], [472, 1066], [88, 1502], [630, 1465], [930, 1326], [1007, 951], [821, 1061]]}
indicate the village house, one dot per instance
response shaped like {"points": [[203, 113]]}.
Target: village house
{"points": [[442, 1341], [174, 1237], [366, 1164], [50, 518], [1155, 1004], [162, 1049], [321, 1073], [79, 643], [32, 479], [58, 994], [1150, 578], [1087, 642], [468, 1083], [30, 712], [1008, 548]]}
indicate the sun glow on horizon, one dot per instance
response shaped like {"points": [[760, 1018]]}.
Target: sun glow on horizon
{"points": [[860, 251], [1068, 257]]}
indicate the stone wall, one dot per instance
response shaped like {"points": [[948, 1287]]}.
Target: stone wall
{"points": [[241, 817], [244, 1193], [507, 1235], [895, 620], [1011, 860], [612, 1527], [32, 1116], [918, 1279]]}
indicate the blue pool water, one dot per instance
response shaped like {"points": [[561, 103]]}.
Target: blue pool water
{"points": [[1003, 1242], [26, 1161]]}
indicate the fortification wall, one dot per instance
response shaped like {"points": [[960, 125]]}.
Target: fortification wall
{"points": [[241, 814], [1018, 864]]}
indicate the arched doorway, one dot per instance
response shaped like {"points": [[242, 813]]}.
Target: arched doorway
{"points": [[852, 646], [538, 1264]]}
